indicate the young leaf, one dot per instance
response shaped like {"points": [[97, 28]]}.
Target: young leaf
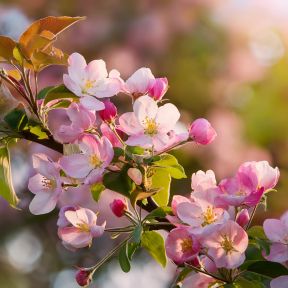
{"points": [[7, 191], [6, 48], [123, 259], [47, 28], [96, 190], [154, 244], [58, 93], [257, 232], [171, 164], [161, 180]]}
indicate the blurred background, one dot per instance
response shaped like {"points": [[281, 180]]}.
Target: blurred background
{"points": [[225, 60]]}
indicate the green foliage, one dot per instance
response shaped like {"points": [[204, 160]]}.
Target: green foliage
{"points": [[260, 239], [123, 258], [170, 163], [7, 190], [161, 180], [58, 93], [96, 190], [119, 181], [153, 242], [268, 269], [16, 119], [159, 212]]}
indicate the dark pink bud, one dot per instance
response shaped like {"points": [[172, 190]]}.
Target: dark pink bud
{"points": [[109, 113], [83, 277], [159, 88], [118, 207], [202, 132], [243, 217]]}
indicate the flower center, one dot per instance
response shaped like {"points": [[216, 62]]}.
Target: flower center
{"points": [[186, 245], [48, 183], [95, 161], [84, 227], [150, 126], [227, 245], [209, 216], [88, 85]]}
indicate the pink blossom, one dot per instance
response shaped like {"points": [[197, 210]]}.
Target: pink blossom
{"points": [[67, 125], [108, 133], [252, 180], [96, 154], [243, 217], [140, 82], [202, 132], [226, 245], [118, 207], [109, 113], [159, 88], [82, 228], [46, 185], [149, 124], [279, 282], [202, 181], [198, 280], [181, 246], [277, 232], [91, 80], [136, 175], [255, 175], [201, 215]]}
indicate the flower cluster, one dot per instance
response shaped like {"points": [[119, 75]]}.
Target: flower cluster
{"points": [[210, 237]]}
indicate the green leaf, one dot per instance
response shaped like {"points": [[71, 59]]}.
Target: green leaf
{"points": [[268, 269], [42, 94], [7, 190], [131, 249], [159, 212], [16, 119], [58, 93], [123, 259], [170, 162], [136, 150], [153, 242], [161, 180], [256, 232], [119, 181], [37, 130], [183, 274], [96, 190]]}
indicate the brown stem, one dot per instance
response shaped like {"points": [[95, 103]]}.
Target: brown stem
{"points": [[50, 142]]}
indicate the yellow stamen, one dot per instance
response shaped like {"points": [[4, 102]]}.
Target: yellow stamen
{"points": [[209, 216], [227, 245], [95, 161], [186, 244], [48, 183], [83, 227], [88, 85], [150, 126]]}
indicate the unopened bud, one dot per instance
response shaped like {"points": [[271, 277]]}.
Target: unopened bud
{"points": [[118, 207], [109, 113], [202, 132]]}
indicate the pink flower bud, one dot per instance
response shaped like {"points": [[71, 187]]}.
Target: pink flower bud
{"points": [[83, 277], [159, 88], [202, 132], [118, 207], [109, 113], [136, 175], [243, 217]]}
